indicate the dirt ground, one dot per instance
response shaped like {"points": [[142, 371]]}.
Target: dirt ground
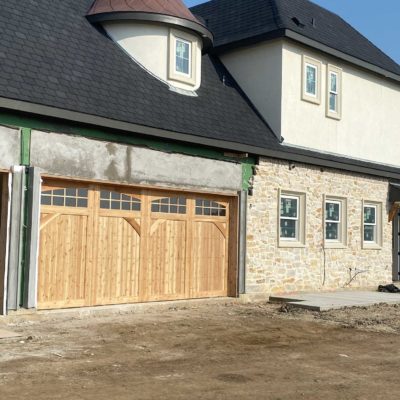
{"points": [[213, 350]]}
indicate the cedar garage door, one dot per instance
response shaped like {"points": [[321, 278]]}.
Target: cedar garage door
{"points": [[112, 245]]}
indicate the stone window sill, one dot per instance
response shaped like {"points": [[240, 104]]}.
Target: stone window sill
{"points": [[371, 247], [338, 246], [294, 245]]}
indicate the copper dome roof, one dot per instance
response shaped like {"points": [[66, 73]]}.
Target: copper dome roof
{"points": [[173, 12]]}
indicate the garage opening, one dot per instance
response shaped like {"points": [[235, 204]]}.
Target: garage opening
{"points": [[104, 245], [3, 235]]}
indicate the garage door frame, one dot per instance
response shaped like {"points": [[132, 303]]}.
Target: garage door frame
{"points": [[145, 193]]}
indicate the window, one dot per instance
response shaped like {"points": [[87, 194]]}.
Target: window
{"points": [[169, 205], [182, 57], [208, 207], [291, 219], [372, 225], [67, 197], [118, 201], [335, 222], [333, 92], [311, 80]]}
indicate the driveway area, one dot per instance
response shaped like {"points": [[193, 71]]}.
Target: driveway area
{"points": [[212, 350]]}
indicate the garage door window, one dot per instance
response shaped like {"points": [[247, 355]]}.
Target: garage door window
{"points": [[68, 197], [118, 201], [207, 207], [169, 205]]}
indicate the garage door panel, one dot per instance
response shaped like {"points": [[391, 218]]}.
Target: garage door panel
{"points": [[62, 257], [167, 260], [111, 245], [209, 262], [117, 261]]}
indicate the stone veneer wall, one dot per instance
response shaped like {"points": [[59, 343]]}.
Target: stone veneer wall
{"points": [[273, 269]]}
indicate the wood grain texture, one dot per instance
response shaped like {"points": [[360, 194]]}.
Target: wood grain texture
{"points": [[95, 256]]}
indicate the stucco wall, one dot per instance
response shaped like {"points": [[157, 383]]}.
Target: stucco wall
{"points": [[258, 70], [148, 44], [78, 157], [370, 124], [272, 269], [10, 148]]}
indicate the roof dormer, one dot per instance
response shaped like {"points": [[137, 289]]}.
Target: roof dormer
{"points": [[163, 36]]}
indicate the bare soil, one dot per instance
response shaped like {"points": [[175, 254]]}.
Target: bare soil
{"points": [[209, 350]]}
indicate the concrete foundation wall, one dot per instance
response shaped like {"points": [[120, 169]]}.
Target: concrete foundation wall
{"points": [[10, 148], [274, 269], [77, 157]]}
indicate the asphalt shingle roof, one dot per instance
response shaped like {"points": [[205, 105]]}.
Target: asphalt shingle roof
{"points": [[51, 55], [232, 21]]}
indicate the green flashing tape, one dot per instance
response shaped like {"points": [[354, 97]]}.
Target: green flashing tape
{"points": [[25, 146]]}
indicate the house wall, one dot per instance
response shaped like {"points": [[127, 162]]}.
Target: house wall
{"points": [[10, 149], [258, 71], [78, 157], [370, 122], [148, 44], [272, 269]]}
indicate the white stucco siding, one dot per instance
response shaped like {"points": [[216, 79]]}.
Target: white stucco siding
{"points": [[370, 125], [258, 71], [148, 44]]}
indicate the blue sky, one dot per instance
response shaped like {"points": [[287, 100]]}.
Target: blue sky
{"points": [[377, 20]]}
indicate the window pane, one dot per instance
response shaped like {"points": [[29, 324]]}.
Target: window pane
{"points": [[105, 195], [311, 87], [70, 202], [82, 192], [58, 201], [332, 102], [333, 82], [71, 192], [289, 207], [369, 215], [82, 203], [332, 231], [369, 233], [332, 211], [288, 229], [46, 201], [115, 196], [126, 206], [182, 57], [135, 206]]}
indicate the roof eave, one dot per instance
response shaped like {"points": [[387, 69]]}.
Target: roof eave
{"points": [[198, 28], [279, 151], [289, 34]]}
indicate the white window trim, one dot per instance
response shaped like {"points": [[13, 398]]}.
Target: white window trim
{"points": [[342, 242], [190, 79], [300, 241], [377, 244], [316, 99], [338, 72]]}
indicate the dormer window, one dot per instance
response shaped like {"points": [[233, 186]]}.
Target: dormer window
{"points": [[183, 50], [182, 57]]}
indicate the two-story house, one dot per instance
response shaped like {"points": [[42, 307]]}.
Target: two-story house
{"points": [[150, 152]]}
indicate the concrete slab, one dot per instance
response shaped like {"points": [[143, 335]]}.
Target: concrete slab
{"points": [[337, 300], [8, 335]]}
